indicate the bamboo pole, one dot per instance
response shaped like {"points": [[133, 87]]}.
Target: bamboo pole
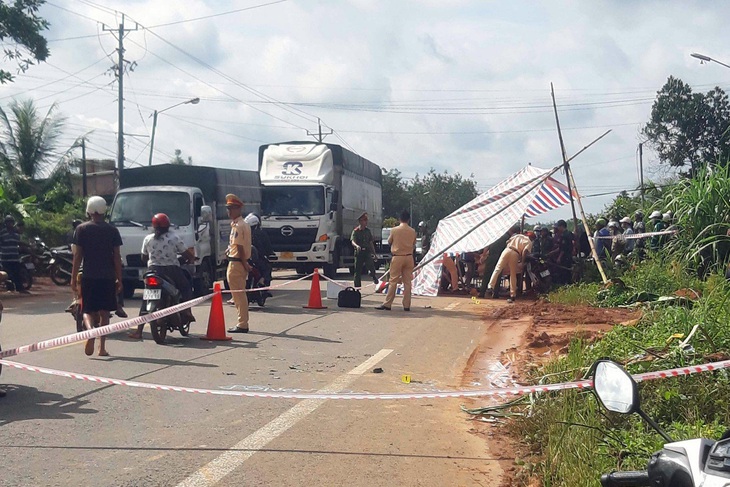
{"points": [[585, 227]]}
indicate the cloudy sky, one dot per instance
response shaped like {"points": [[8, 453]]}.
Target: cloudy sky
{"points": [[453, 85]]}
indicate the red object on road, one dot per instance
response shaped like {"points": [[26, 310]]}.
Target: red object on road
{"points": [[315, 295], [216, 320]]}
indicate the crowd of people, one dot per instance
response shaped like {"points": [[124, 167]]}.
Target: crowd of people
{"points": [[615, 240]]}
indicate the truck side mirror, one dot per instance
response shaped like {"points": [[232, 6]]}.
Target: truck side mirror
{"points": [[335, 200], [206, 214]]}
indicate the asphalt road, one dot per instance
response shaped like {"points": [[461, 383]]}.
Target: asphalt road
{"points": [[59, 431]]}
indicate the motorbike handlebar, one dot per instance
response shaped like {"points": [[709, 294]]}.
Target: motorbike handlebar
{"points": [[637, 478]]}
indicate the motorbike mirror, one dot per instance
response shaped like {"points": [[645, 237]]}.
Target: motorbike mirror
{"points": [[206, 213], [615, 388]]}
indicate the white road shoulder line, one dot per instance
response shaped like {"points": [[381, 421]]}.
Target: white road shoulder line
{"points": [[217, 469]]}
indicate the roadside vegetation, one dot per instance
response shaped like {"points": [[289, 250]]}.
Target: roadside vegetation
{"points": [[566, 438]]}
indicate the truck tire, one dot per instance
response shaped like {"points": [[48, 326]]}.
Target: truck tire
{"points": [[204, 282], [330, 270]]}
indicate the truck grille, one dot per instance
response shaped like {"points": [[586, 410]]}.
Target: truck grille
{"points": [[300, 240]]}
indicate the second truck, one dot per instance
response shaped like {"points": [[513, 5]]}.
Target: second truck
{"points": [[311, 197]]}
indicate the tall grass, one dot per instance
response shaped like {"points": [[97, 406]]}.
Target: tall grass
{"points": [[569, 440]]}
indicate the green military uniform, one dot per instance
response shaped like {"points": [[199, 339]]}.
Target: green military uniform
{"points": [[363, 256]]}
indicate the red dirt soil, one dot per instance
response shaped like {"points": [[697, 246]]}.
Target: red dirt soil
{"points": [[522, 336]]}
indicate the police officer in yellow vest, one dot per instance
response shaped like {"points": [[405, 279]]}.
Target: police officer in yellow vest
{"points": [[512, 259], [402, 241], [239, 251]]}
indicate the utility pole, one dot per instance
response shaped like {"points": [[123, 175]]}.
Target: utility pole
{"points": [[641, 170], [152, 140], [83, 168], [121, 31], [319, 136], [566, 166]]}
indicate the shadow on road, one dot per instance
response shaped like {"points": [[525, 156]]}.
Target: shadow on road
{"points": [[28, 403], [156, 361], [285, 334], [256, 450]]}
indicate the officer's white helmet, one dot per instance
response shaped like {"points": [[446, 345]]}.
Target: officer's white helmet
{"points": [[655, 214], [626, 220], [252, 220]]}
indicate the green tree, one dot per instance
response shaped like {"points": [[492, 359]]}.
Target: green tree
{"points": [[178, 159], [28, 144], [435, 195], [395, 193], [20, 23], [689, 129]]}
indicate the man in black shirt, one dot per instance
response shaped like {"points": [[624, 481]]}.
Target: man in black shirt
{"points": [[562, 253], [10, 252], [96, 245]]}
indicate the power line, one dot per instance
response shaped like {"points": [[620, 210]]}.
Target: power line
{"points": [[217, 15]]}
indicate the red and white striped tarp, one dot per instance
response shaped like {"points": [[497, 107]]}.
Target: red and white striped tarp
{"points": [[528, 192]]}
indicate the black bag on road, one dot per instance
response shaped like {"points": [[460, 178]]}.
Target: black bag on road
{"points": [[348, 298]]}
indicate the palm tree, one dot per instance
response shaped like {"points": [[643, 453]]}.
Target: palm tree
{"points": [[27, 143]]}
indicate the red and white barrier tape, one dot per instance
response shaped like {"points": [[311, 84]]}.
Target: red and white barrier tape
{"points": [[634, 236], [515, 391], [344, 286], [267, 288], [103, 330]]}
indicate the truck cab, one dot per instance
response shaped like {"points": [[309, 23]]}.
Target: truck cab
{"points": [[311, 197], [131, 213]]}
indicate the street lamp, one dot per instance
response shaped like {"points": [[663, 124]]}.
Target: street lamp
{"points": [[706, 59], [192, 101], [412, 218]]}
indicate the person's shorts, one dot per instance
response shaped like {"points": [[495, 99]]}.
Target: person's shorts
{"points": [[98, 295]]}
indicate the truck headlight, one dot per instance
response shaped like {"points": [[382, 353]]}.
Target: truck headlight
{"points": [[319, 248]]}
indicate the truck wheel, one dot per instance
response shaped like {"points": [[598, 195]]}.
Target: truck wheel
{"points": [[203, 284], [128, 290], [330, 270]]}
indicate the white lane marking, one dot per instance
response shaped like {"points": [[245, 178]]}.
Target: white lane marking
{"points": [[363, 367], [227, 462], [452, 306]]}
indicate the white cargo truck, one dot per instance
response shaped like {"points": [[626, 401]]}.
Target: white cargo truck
{"points": [[194, 199], [311, 197]]}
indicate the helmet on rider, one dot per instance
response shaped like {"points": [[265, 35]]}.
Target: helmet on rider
{"points": [[422, 224], [96, 205], [160, 220], [625, 220], [252, 220], [537, 228], [655, 215], [667, 217], [613, 224], [601, 222], [638, 214]]}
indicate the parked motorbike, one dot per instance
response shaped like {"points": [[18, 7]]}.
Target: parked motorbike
{"points": [[61, 265], [691, 463], [41, 256], [158, 294], [257, 277], [26, 274]]}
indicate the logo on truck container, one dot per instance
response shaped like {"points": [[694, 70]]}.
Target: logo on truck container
{"points": [[292, 168]]}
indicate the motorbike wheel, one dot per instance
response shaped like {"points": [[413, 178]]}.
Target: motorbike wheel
{"points": [[59, 277], [26, 278], [159, 331], [184, 329]]}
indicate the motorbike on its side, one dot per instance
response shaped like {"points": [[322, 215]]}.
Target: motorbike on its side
{"points": [[690, 463], [158, 294], [538, 271]]}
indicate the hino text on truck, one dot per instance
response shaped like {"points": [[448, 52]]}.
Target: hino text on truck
{"points": [[311, 197], [194, 198]]}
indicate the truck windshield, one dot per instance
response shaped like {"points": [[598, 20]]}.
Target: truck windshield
{"points": [[292, 200], [139, 206]]}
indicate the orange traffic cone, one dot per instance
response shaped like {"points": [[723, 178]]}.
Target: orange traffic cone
{"points": [[315, 295], [216, 320]]}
